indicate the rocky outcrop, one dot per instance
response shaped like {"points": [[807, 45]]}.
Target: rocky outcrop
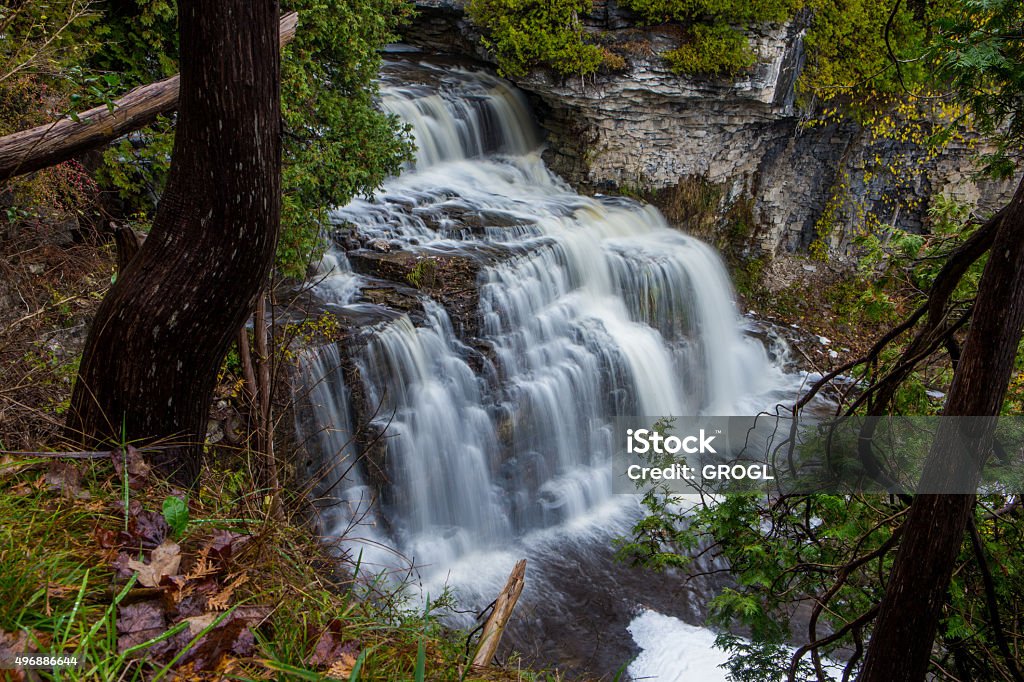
{"points": [[647, 128]]}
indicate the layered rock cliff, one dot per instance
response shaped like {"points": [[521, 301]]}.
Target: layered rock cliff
{"points": [[647, 128]]}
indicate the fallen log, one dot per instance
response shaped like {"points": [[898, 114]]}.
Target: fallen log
{"points": [[494, 628], [47, 145]]}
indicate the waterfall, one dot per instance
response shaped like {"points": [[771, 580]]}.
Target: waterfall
{"points": [[587, 308]]}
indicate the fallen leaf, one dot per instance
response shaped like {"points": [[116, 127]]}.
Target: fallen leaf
{"points": [[9, 466], [215, 645], [192, 605], [12, 644], [225, 545], [146, 529], [121, 567], [342, 668], [28, 487], [130, 460], [145, 615], [164, 560], [138, 623], [330, 646], [105, 538], [197, 624], [66, 478]]}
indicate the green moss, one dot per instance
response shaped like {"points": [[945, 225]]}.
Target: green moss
{"points": [[747, 275], [424, 273]]}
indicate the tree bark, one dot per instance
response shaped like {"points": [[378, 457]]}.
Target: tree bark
{"points": [[29, 150], [156, 344], [901, 644]]}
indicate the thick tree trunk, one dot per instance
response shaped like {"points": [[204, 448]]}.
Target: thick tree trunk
{"points": [[908, 620], [155, 347], [29, 150]]}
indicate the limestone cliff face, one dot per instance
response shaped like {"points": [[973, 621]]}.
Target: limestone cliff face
{"points": [[649, 128]]}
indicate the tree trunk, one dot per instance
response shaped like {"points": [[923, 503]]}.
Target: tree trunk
{"points": [[154, 349], [901, 644], [29, 150]]}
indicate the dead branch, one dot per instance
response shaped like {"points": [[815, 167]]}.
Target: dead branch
{"points": [[46, 145], [503, 605]]}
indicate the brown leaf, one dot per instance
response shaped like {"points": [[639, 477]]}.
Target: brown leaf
{"points": [[145, 615], [146, 529], [105, 538], [27, 487], [330, 646], [192, 605], [130, 460], [225, 545], [12, 644], [140, 622], [9, 466], [215, 645], [121, 567], [164, 560], [342, 668], [133, 639], [66, 478], [197, 624]]}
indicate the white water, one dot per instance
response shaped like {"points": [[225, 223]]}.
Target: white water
{"points": [[589, 308]]}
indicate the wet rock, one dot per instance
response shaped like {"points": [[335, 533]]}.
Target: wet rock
{"points": [[448, 277]]}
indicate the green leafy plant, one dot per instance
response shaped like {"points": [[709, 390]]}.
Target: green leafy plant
{"points": [[526, 33], [175, 511], [713, 43], [337, 143], [712, 49]]}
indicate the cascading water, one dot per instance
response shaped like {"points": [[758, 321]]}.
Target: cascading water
{"points": [[587, 308]]}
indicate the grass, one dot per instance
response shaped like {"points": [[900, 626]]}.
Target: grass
{"points": [[60, 590]]}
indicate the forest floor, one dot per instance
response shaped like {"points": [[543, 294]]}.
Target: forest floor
{"points": [[103, 561]]}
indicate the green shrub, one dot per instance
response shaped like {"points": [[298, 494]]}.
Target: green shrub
{"points": [[527, 33], [847, 52], [713, 49], [715, 46], [714, 12]]}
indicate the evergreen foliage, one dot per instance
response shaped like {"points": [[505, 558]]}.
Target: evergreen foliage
{"points": [[712, 49], [527, 33], [337, 144]]}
